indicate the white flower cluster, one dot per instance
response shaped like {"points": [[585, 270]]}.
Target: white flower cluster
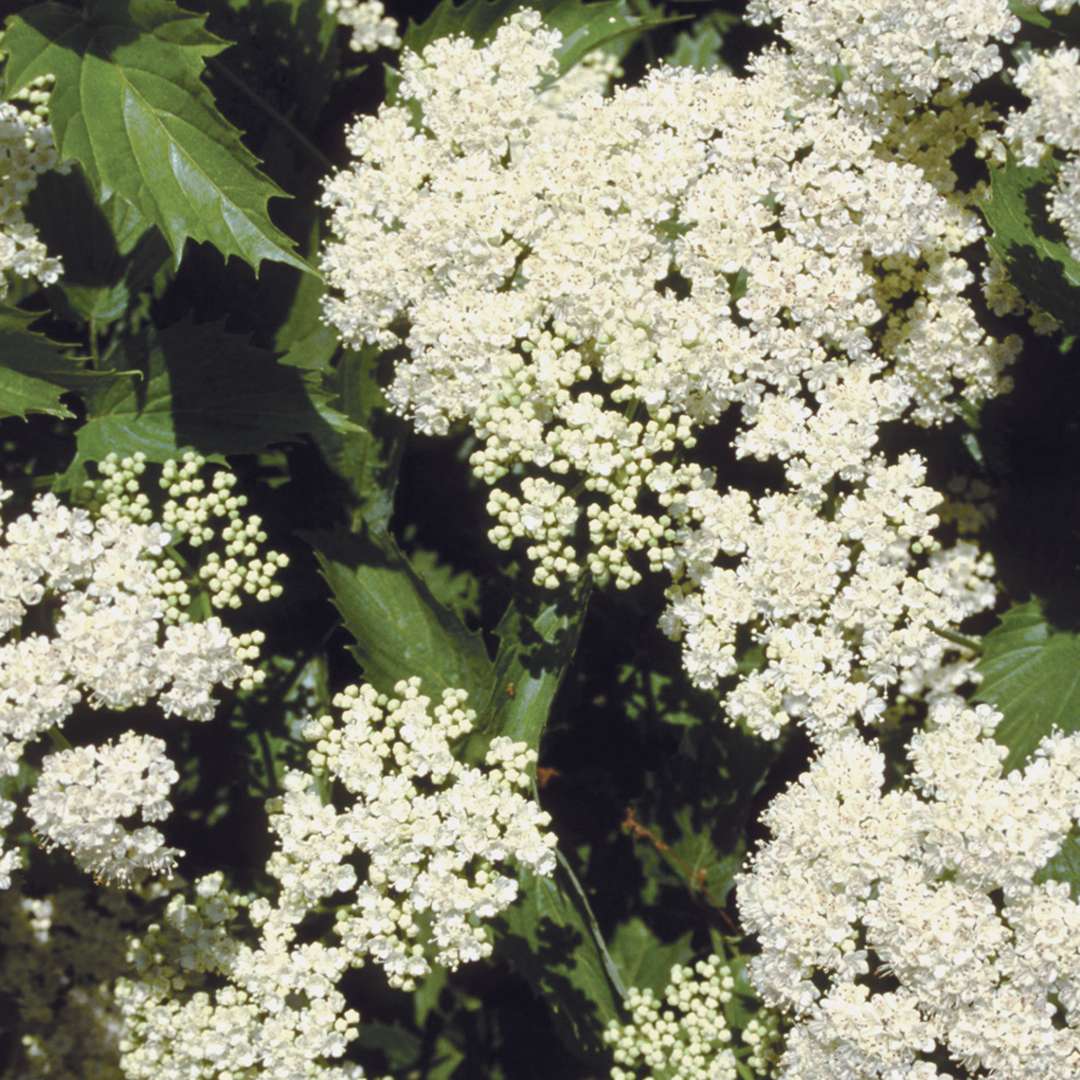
{"points": [[371, 28], [591, 287], [201, 1002], [435, 833], [877, 47], [199, 511], [432, 834], [686, 1036], [84, 616], [845, 607], [897, 924], [26, 151], [1052, 123], [84, 795]]}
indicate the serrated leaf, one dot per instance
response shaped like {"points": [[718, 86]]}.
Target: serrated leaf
{"points": [[536, 645], [109, 252], [202, 388], [550, 934], [1029, 244], [34, 372], [551, 938], [130, 106], [1031, 673], [584, 26], [399, 627], [700, 46], [644, 960], [458, 590]]}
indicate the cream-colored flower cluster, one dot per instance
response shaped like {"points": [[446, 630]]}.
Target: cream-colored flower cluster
{"points": [[201, 1001], [874, 48], [846, 607], [435, 838], [591, 288], [370, 27], [84, 795], [438, 836], [87, 614], [686, 1036], [897, 923], [26, 151], [1051, 123]]}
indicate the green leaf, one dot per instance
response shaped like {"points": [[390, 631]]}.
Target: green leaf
{"points": [[700, 46], [109, 252], [584, 26], [643, 959], [34, 373], [1028, 13], [1029, 244], [399, 627], [551, 937], [130, 106], [536, 645], [1065, 865], [456, 589], [1031, 673], [202, 388]]}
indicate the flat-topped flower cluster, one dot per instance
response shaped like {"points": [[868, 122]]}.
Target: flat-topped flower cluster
{"points": [[592, 287], [439, 843], [898, 922]]}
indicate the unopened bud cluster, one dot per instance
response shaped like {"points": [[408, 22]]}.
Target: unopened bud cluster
{"points": [[202, 510], [686, 1036]]}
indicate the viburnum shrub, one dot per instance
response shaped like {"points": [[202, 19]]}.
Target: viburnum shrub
{"points": [[548, 550]]}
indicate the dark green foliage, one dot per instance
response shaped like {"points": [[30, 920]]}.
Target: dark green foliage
{"points": [[131, 107], [1029, 244], [1031, 672]]}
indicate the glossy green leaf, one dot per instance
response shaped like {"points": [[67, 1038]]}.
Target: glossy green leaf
{"points": [[129, 105], [34, 372], [399, 627], [551, 938], [536, 645], [644, 960], [1031, 673], [1029, 244], [202, 388]]}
